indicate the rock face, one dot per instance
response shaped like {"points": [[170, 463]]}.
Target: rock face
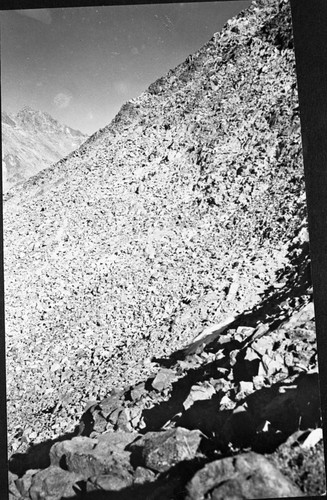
{"points": [[31, 141], [158, 295], [246, 476], [162, 450]]}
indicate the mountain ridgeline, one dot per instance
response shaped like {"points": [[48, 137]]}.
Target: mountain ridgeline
{"points": [[31, 141], [187, 209]]}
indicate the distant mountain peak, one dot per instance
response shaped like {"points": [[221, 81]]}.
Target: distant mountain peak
{"points": [[31, 141], [41, 120], [28, 109]]}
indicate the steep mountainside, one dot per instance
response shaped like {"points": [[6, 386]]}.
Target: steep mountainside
{"points": [[31, 141], [185, 214]]}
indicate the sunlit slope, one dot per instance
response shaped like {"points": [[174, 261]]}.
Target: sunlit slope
{"points": [[173, 217]]}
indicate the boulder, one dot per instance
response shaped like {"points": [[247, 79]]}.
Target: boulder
{"points": [[24, 483], [54, 483], [248, 475], [115, 481], [94, 457], [159, 451]]}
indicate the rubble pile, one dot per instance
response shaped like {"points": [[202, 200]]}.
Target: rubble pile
{"points": [[235, 414], [160, 323]]}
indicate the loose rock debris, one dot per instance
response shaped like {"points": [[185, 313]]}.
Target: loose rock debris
{"points": [[126, 376]]}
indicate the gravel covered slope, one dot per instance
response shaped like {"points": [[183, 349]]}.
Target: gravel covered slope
{"points": [[175, 216]]}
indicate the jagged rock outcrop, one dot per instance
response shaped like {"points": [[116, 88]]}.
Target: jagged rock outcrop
{"points": [[160, 277], [31, 141]]}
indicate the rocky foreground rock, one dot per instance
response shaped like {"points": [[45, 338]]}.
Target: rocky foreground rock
{"points": [[160, 323], [231, 416]]}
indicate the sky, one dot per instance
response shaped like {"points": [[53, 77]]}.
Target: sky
{"points": [[82, 64]]}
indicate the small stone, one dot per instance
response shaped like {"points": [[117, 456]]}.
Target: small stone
{"points": [[142, 424], [123, 421], [226, 403], [233, 357], [135, 415], [289, 359], [314, 437], [263, 344], [246, 387], [241, 409], [138, 391], [99, 422], [264, 426], [163, 379], [251, 355], [199, 392], [143, 475], [233, 289], [245, 331], [113, 417], [258, 382], [109, 404], [302, 316], [262, 370]]}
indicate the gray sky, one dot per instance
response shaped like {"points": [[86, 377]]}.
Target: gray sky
{"points": [[81, 64]]}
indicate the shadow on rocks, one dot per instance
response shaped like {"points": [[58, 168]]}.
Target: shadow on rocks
{"points": [[260, 421], [278, 303], [37, 456], [160, 414], [167, 485]]}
